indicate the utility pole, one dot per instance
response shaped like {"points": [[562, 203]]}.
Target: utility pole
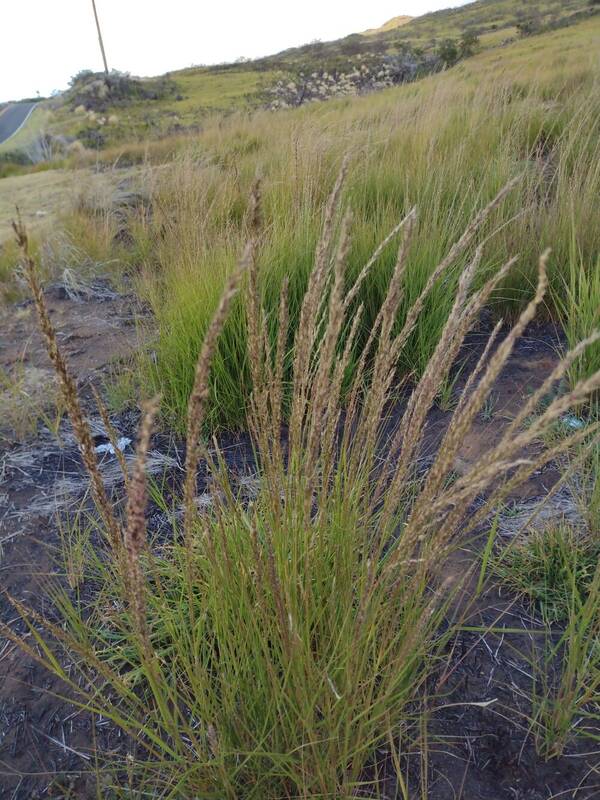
{"points": [[100, 36]]}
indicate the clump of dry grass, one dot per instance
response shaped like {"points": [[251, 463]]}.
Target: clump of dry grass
{"points": [[285, 639], [27, 398]]}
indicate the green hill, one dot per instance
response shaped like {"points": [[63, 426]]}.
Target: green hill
{"points": [[400, 51], [445, 144]]}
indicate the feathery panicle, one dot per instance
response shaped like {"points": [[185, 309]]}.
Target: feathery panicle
{"points": [[555, 376], [308, 328], [465, 413], [334, 410], [276, 389], [456, 250], [258, 342], [384, 365], [201, 388], [409, 219], [69, 393], [326, 352], [461, 245], [135, 532], [255, 311], [476, 373], [502, 461], [526, 470], [407, 440]]}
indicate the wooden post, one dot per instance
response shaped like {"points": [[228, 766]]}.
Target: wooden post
{"points": [[100, 37]]}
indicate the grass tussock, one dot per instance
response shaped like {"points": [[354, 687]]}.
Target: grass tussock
{"points": [[282, 635], [548, 566], [557, 569]]}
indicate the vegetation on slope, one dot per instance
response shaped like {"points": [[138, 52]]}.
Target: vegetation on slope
{"points": [[445, 144], [491, 20], [182, 101], [275, 644], [275, 640]]}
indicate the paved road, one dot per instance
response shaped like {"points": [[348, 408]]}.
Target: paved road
{"points": [[13, 117]]}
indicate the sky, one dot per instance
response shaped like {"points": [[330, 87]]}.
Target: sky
{"points": [[45, 42]]}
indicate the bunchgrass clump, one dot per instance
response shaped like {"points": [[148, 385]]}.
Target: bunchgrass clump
{"points": [[548, 566], [567, 686], [276, 641], [557, 568], [579, 303]]}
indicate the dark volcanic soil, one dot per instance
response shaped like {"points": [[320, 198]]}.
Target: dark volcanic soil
{"points": [[476, 752], [44, 742]]}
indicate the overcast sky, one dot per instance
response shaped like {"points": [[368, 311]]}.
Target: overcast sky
{"points": [[45, 42]]}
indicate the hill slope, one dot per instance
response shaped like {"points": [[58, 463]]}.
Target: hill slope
{"points": [[445, 144], [390, 25], [401, 50]]}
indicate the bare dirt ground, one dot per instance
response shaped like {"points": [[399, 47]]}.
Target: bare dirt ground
{"points": [[47, 746]]}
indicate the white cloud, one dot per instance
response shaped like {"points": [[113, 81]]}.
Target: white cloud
{"points": [[45, 42]]}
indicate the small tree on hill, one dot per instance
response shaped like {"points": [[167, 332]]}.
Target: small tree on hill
{"points": [[468, 44], [448, 52], [530, 25]]}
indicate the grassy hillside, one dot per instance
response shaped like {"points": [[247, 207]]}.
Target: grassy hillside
{"points": [[197, 93], [486, 18], [310, 609], [194, 94], [486, 15], [445, 144]]}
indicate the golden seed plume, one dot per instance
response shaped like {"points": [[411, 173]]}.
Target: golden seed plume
{"points": [[135, 532]]}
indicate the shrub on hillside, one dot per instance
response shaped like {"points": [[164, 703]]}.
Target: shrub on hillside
{"points": [[448, 52], [372, 75], [530, 25], [468, 44], [97, 91]]}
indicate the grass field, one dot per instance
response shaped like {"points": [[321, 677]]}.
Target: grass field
{"points": [[445, 144], [287, 625], [199, 93], [202, 91]]}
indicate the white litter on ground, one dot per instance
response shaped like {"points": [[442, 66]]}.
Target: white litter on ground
{"points": [[571, 421], [122, 443]]}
